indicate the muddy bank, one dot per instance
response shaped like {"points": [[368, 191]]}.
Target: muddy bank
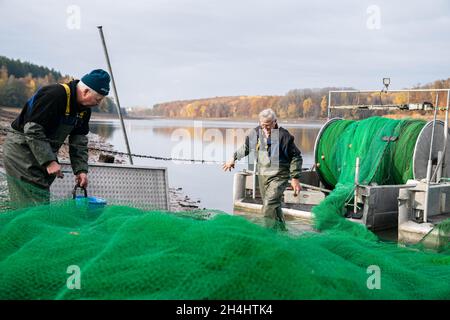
{"points": [[6, 117], [179, 201]]}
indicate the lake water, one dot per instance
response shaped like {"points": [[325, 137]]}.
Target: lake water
{"points": [[203, 140]]}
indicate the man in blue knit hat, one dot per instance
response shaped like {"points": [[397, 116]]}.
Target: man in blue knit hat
{"points": [[52, 114]]}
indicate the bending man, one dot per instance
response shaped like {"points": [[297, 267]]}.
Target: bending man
{"points": [[52, 114]]}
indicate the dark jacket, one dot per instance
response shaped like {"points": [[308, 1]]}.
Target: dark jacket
{"points": [[47, 108], [287, 154]]}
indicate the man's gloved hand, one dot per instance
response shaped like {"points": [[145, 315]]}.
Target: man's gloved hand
{"points": [[81, 179]]}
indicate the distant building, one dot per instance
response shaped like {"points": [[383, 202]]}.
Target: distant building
{"points": [[420, 106]]}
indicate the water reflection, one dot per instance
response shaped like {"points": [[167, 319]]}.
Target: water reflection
{"points": [[206, 140], [105, 131], [304, 137]]}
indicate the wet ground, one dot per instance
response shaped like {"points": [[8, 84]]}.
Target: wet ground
{"points": [[294, 226]]}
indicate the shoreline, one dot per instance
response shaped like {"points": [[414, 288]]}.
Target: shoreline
{"points": [[284, 120], [288, 122], [251, 122]]}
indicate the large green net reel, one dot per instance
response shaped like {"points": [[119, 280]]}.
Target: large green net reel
{"points": [[399, 149]]}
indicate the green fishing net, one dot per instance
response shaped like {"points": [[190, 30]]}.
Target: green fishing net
{"points": [[125, 253], [70, 250]]}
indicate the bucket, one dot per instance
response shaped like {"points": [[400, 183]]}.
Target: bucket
{"points": [[93, 203]]}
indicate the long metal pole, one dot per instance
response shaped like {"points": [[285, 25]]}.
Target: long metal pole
{"points": [[119, 111], [441, 162], [355, 199], [329, 104], [432, 138], [446, 130], [429, 166]]}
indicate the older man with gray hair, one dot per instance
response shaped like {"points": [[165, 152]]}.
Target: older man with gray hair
{"points": [[277, 160]]}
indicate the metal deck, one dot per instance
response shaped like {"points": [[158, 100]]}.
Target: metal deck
{"points": [[141, 187]]}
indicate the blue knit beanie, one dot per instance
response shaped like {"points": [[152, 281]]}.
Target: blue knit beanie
{"points": [[97, 80]]}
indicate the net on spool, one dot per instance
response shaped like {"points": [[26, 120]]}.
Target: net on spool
{"points": [[389, 151], [385, 148]]}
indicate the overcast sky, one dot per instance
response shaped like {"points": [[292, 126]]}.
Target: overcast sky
{"points": [[164, 50]]}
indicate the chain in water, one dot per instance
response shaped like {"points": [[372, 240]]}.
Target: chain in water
{"points": [[119, 153]]}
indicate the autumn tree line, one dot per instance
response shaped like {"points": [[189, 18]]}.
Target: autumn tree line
{"points": [[295, 104], [20, 80], [299, 103]]}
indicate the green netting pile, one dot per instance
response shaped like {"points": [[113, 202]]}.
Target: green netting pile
{"points": [[126, 253]]}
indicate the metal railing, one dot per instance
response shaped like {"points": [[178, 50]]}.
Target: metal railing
{"points": [[441, 159], [331, 92]]}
